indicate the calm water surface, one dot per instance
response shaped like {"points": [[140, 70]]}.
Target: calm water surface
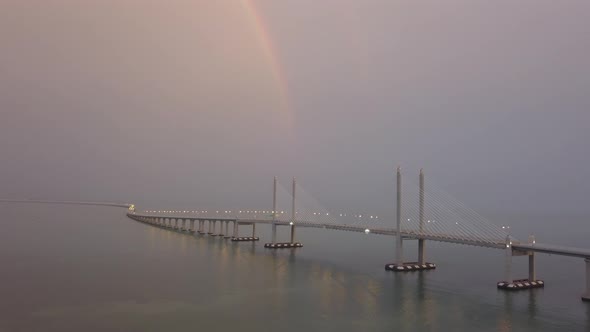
{"points": [[81, 268]]}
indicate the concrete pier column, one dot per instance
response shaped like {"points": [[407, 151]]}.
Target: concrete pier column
{"points": [[236, 229], [532, 273], [221, 228], [209, 230], [508, 266], [586, 296], [253, 229], [176, 223], [184, 224], [421, 254], [192, 225], [398, 243], [227, 228]]}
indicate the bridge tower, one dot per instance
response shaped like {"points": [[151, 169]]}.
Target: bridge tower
{"points": [[292, 243], [399, 264]]}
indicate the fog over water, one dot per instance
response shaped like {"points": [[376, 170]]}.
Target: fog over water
{"points": [[198, 104], [201, 103]]}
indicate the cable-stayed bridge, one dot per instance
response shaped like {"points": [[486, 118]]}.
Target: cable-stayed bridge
{"points": [[420, 214]]}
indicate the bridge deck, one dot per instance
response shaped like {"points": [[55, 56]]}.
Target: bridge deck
{"points": [[407, 234], [551, 249]]}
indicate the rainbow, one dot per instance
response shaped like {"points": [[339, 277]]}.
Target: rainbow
{"points": [[271, 56]]}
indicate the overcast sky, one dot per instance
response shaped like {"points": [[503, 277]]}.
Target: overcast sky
{"points": [[179, 103]]}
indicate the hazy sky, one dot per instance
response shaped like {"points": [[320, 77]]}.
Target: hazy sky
{"points": [[197, 103]]}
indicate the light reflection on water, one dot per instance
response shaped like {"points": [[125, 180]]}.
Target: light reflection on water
{"points": [[104, 272]]}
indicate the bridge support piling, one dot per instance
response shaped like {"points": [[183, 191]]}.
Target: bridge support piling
{"points": [[176, 223], [209, 227], [586, 296], [183, 225], [220, 228], [236, 229], [192, 230], [253, 230]]}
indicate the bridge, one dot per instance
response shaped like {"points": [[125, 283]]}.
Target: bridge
{"points": [[124, 205], [430, 217]]}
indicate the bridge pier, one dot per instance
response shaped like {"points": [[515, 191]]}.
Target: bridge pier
{"points": [[227, 236], [209, 227], [237, 238], [586, 296], [509, 283], [183, 225], [421, 253], [532, 271], [201, 226], [220, 228], [192, 229]]}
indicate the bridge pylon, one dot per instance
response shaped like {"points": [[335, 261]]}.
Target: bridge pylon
{"points": [[400, 265], [292, 244]]}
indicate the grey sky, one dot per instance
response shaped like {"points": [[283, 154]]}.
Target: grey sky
{"points": [[175, 102]]}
